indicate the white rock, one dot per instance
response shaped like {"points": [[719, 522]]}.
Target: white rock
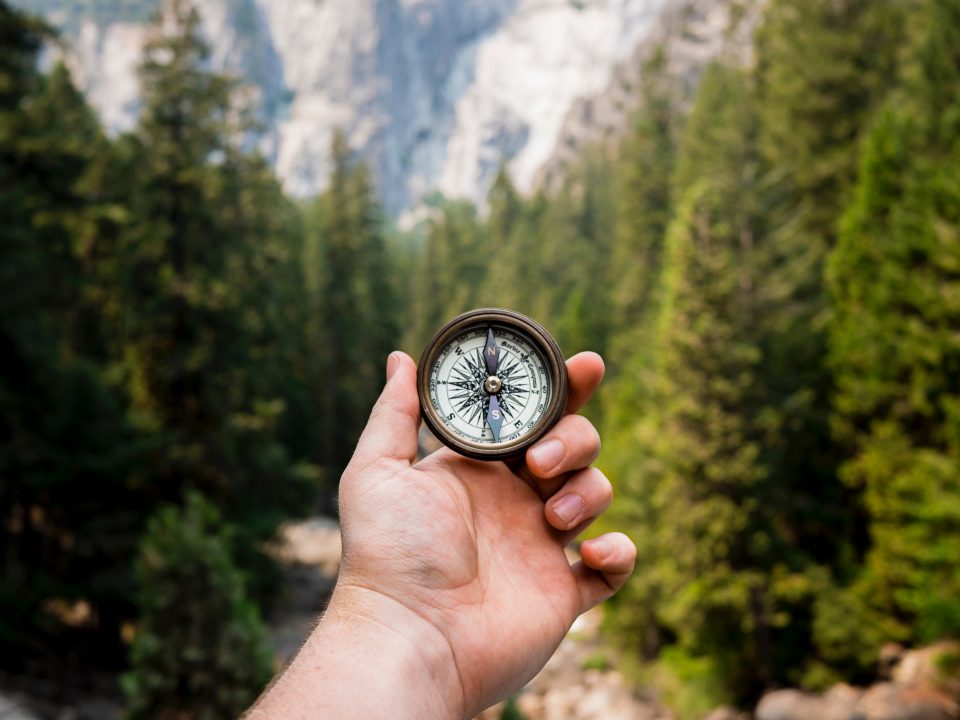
{"points": [[435, 94]]}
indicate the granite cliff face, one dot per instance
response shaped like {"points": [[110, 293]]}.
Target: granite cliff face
{"points": [[690, 35], [435, 94]]}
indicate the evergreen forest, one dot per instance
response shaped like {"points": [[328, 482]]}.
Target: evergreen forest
{"points": [[769, 264]]}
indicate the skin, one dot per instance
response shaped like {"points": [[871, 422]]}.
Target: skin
{"points": [[454, 589]]}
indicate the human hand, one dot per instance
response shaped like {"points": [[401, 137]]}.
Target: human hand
{"points": [[453, 569]]}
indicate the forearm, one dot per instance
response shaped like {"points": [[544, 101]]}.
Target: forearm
{"points": [[369, 657]]}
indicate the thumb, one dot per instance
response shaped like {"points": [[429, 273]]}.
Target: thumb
{"points": [[391, 431]]}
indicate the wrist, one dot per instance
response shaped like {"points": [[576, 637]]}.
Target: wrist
{"points": [[414, 650], [369, 652]]}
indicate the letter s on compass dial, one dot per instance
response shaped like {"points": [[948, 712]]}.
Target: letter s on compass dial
{"points": [[491, 383]]}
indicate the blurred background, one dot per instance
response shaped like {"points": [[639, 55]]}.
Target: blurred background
{"points": [[217, 219]]}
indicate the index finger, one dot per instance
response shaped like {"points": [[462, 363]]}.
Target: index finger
{"points": [[584, 371]]}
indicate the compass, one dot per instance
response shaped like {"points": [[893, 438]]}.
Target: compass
{"points": [[491, 383]]}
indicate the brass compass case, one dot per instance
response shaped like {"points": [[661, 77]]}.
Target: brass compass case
{"points": [[456, 386]]}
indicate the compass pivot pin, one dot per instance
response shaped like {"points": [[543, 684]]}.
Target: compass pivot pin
{"points": [[492, 385]]}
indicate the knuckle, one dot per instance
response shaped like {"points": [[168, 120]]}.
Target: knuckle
{"points": [[604, 489], [381, 410], [580, 433], [627, 551], [586, 429], [579, 424], [365, 465], [388, 407], [382, 465], [597, 443]]}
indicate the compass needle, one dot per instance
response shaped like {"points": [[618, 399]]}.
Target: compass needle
{"points": [[491, 353], [494, 417]]}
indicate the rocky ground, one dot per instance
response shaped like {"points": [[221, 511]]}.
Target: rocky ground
{"points": [[580, 682], [570, 687], [11, 709], [577, 684], [310, 550], [922, 684]]}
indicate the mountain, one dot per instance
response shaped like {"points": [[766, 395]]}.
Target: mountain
{"points": [[435, 94], [688, 35]]}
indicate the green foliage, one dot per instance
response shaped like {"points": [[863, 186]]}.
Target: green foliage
{"points": [[719, 564], [150, 311], [644, 184], [511, 711], [598, 661], [691, 686], [449, 271], [893, 278], [721, 452], [729, 475], [822, 66], [577, 241], [352, 322], [559, 245], [771, 274], [849, 632], [200, 649], [820, 677], [948, 664], [68, 451], [208, 241]]}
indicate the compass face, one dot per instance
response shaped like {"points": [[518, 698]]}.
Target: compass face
{"points": [[459, 375], [491, 383]]}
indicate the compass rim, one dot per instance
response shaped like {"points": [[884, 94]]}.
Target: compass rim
{"points": [[539, 337]]}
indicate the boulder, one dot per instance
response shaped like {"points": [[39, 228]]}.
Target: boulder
{"points": [[890, 656], [11, 709], [839, 703], [924, 667], [890, 701], [788, 705]]}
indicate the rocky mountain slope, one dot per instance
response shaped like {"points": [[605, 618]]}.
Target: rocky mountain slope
{"points": [[690, 35], [435, 94]]}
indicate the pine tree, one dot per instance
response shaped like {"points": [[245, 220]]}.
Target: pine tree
{"points": [[578, 253], [200, 649], [644, 184], [822, 67], [718, 575], [353, 323], [893, 278], [643, 207], [547, 255], [450, 271], [509, 251], [68, 454], [175, 255], [206, 248]]}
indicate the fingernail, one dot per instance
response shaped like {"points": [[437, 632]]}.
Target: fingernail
{"points": [[393, 362], [568, 507], [548, 454], [603, 548]]}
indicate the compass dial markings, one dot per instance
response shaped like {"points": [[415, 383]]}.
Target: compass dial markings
{"points": [[457, 384]]}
